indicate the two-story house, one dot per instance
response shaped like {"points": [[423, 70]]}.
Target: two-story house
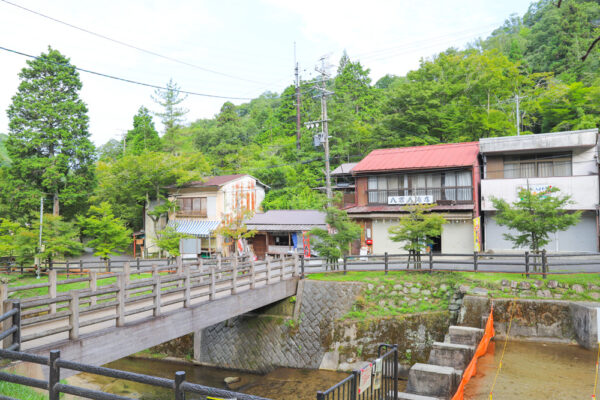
{"points": [[565, 160], [202, 206], [388, 179]]}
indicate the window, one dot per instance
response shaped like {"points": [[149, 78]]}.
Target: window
{"points": [[451, 185], [537, 165], [192, 206]]}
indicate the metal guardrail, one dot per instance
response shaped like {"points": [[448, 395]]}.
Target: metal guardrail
{"points": [[179, 385], [386, 389]]}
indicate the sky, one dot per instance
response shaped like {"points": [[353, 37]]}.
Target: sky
{"points": [[227, 48]]}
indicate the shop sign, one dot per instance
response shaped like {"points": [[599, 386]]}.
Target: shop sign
{"points": [[403, 200], [364, 380], [477, 234]]}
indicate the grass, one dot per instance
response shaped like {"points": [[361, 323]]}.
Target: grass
{"points": [[404, 292], [27, 279], [20, 392]]}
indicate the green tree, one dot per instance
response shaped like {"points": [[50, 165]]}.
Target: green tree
{"points": [[168, 240], [143, 137], [8, 231], [233, 227], [335, 242], [48, 139], [415, 229], [60, 239], [131, 182], [171, 115], [108, 234], [534, 216]]}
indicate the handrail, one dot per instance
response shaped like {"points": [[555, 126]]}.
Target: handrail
{"points": [[179, 385]]}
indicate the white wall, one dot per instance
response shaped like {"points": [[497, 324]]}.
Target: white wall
{"points": [[581, 237], [457, 237], [381, 237], [237, 190], [582, 189]]}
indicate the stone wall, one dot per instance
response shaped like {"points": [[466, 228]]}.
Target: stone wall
{"points": [[266, 341], [540, 320], [319, 337]]}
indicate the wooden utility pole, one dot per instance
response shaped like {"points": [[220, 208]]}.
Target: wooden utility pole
{"points": [[297, 70]]}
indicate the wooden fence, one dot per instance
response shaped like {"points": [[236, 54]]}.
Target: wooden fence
{"points": [[137, 293]]}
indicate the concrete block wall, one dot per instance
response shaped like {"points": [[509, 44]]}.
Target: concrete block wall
{"points": [[263, 343]]}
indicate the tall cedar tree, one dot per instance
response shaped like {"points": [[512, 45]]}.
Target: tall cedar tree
{"points": [[169, 99], [534, 216], [48, 141], [143, 137]]}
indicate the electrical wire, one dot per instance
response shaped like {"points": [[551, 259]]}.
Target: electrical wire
{"points": [[122, 43], [123, 79]]}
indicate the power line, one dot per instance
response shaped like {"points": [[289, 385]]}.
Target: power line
{"points": [[124, 79], [130, 45]]}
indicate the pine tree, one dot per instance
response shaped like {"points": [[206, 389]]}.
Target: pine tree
{"points": [[48, 141], [169, 99]]}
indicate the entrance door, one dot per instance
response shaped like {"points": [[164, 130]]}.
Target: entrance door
{"points": [[436, 244], [259, 244]]}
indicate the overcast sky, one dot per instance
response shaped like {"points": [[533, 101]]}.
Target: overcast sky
{"points": [[251, 43]]}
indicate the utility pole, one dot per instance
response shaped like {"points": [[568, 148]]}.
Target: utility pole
{"points": [[518, 116], [323, 137], [38, 260], [297, 70]]}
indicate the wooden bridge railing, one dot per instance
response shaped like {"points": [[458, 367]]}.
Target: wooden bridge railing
{"points": [[129, 299]]}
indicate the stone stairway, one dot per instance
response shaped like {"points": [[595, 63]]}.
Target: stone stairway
{"points": [[439, 378]]}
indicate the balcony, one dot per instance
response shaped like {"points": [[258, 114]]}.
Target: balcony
{"points": [[442, 196], [582, 189], [191, 214]]}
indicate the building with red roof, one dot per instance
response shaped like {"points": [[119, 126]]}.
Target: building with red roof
{"points": [[386, 180]]}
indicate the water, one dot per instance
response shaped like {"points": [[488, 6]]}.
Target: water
{"points": [[281, 384], [534, 371]]}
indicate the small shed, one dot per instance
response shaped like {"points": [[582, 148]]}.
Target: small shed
{"points": [[281, 232]]}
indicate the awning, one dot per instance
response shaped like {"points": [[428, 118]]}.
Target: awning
{"points": [[193, 227]]}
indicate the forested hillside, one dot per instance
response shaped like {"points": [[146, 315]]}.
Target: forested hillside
{"points": [[453, 96]]}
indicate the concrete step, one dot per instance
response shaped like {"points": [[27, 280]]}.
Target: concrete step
{"points": [[457, 356], [432, 380], [465, 335], [411, 396]]}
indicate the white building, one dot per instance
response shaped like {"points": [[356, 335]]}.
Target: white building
{"points": [[566, 160]]}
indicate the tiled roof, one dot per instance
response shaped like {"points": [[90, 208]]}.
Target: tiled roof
{"points": [[343, 169], [287, 220], [419, 157]]}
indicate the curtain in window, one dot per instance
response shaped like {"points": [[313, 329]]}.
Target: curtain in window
{"points": [[545, 168], [382, 189], [511, 170], [372, 185], [434, 183], [450, 182], [562, 168], [527, 170], [392, 185], [463, 179]]}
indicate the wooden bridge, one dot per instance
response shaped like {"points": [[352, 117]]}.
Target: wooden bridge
{"points": [[145, 307]]}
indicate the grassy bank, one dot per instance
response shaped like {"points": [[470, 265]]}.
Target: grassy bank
{"points": [[20, 392], [404, 292]]}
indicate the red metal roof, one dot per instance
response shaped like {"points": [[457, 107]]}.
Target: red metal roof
{"points": [[419, 157]]}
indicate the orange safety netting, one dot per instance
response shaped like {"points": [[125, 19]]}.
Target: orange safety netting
{"points": [[481, 350]]}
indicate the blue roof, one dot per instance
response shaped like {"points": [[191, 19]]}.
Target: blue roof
{"points": [[194, 227]]}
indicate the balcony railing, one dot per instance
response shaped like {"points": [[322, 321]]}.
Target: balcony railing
{"points": [[445, 195], [191, 213]]}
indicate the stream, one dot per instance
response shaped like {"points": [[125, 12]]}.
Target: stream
{"points": [[280, 384], [534, 371]]}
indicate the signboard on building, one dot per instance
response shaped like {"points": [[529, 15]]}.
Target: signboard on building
{"points": [[306, 244], [477, 234], [364, 380], [403, 200]]}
